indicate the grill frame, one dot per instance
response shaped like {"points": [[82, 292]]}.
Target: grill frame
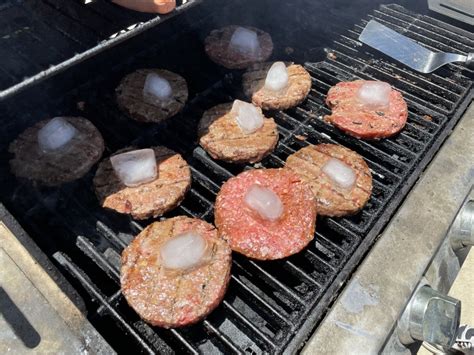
{"points": [[228, 86]]}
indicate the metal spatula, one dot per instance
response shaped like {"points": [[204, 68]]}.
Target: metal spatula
{"points": [[407, 51]]}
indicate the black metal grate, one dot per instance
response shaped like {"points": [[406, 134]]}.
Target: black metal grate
{"points": [[270, 307], [38, 34]]}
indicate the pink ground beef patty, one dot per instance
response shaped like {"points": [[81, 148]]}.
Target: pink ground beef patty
{"points": [[255, 237]]}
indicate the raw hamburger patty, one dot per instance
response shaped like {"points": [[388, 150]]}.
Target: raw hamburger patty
{"points": [[150, 199], [255, 237], [299, 85], [63, 165], [217, 48], [222, 138], [174, 298], [354, 119], [331, 199], [130, 96]]}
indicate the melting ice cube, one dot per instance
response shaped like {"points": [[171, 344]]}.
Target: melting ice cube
{"points": [[248, 116], [55, 134], [136, 167], [340, 173], [374, 94], [183, 251], [157, 87], [277, 77], [245, 41], [264, 201]]}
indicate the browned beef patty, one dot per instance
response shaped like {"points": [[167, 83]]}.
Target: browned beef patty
{"points": [[66, 164], [174, 298], [222, 138], [331, 199], [130, 96], [352, 118], [217, 48], [151, 199], [299, 85]]}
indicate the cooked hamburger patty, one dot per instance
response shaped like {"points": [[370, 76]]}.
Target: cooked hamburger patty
{"points": [[299, 85], [331, 199], [130, 96], [151, 199], [356, 120], [217, 48], [222, 138], [174, 298], [56, 167], [258, 238]]}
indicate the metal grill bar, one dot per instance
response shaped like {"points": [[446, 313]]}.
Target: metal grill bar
{"points": [[89, 249], [302, 274], [427, 34], [222, 337], [61, 23], [260, 337], [257, 297], [87, 283], [76, 13], [110, 12]]}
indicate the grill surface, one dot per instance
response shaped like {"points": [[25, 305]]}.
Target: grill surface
{"points": [[38, 34], [270, 306]]}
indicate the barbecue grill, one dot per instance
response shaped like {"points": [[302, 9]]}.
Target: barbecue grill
{"points": [[270, 307]]}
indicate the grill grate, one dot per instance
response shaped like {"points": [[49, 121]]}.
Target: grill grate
{"points": [[38, 34], [270, 307]]}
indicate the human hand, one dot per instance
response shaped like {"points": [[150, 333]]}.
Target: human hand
{"points": [[153, 6]]}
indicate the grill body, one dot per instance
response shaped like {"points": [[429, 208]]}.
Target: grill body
{"points": [[270, 307]]}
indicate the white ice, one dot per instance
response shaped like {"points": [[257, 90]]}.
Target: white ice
{"points": [[340, 173], [277, 77], [157, 87], [55, 134], [136, 167], [375, 94], [248, 117], [245, 41], [183, 251], [264, 201]]}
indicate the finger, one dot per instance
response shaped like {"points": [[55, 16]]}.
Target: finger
{"points": [[153, 6]]}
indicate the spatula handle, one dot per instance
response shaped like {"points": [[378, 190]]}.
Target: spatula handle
{"points": [[470, 60]]}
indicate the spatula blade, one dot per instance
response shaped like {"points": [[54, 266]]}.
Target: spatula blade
{"points": [[395, 45]]}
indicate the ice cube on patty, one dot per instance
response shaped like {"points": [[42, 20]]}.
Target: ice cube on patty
{"points": [[264, 201], [183, 251], [248, 116], [340, 173], [375, 94], [157, 87], [136, 167], [245, 41], [277, 77], [55, 134]]}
